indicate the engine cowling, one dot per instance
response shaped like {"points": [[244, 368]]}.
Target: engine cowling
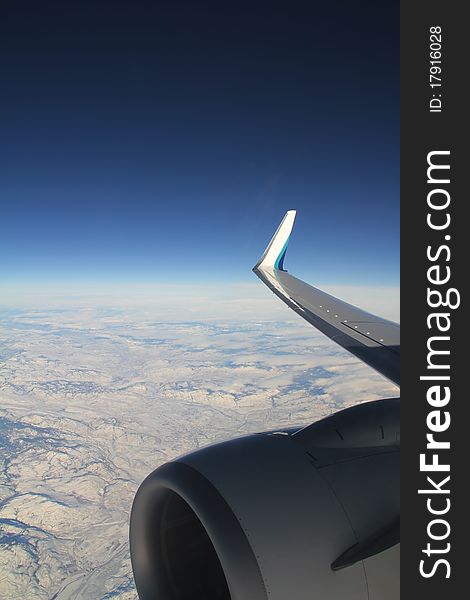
{"points": [[298, 514]]}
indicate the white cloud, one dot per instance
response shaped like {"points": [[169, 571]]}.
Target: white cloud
{"points": [[181, 301]]}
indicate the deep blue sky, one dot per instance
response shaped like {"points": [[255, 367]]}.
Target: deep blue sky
{"points": [[163, 141]]}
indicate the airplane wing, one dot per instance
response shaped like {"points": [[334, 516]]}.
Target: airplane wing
{"points": [[374, 340]]}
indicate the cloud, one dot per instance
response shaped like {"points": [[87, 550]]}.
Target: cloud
{"points": [[181, 301]]}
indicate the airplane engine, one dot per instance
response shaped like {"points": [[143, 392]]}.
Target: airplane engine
{"points": [[293, 514]]}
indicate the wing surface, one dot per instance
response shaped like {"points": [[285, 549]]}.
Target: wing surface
{"points": [[374, 340]]}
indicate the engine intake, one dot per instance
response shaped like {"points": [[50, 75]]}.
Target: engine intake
{"points": [[267, 515]]}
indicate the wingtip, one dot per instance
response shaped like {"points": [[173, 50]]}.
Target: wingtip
{"points": [[273, 257]]}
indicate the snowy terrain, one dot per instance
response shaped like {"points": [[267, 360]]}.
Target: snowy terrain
{"points": [[93, 399]]}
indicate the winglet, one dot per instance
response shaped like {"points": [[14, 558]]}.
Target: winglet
{"points": [[374, 340], [273, 256]]}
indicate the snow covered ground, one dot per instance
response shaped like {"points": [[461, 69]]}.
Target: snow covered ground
{"points": [[94, 398]]}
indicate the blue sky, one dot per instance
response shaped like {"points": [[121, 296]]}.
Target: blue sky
{"points": [[163, 142]]}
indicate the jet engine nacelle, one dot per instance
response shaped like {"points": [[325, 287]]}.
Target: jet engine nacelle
{"points": [[298, 514]]}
